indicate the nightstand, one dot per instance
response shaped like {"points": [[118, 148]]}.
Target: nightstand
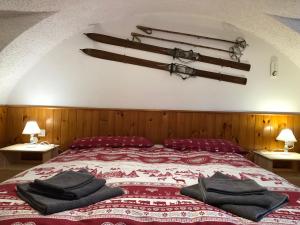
{"points": [[285, 164], [19, 157]]}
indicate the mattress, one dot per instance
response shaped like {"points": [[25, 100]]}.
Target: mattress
{"points": [[151, 178]]}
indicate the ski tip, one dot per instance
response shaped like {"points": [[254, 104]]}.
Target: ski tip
{"points": [[90, 35], [243, 80], [247, 67], [87, 50]]}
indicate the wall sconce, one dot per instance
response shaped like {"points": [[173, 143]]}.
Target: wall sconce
{"points": [[32, 128], [288, 137], [274, 67]]}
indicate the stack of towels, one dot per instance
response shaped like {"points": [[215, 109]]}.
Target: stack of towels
{"points": [[244, 198], [65, 191]]}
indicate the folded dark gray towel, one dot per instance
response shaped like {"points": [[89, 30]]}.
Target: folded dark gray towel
{"points": [[66, 180], [253, 207], [46, 205], [67, 185], [256, 213], [197, 192], [226, 185], [77, 193]]}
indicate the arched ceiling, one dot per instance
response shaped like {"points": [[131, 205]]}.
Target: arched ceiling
{"points": [[13, 23], [290, 22], [72, 16]]}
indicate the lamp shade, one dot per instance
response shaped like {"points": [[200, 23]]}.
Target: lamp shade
{"points": [[31, 127], [286, 135]]}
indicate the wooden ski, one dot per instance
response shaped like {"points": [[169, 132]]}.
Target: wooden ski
{"points": [[180, 70], [175, 53]]}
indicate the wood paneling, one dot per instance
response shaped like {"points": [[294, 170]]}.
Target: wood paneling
{"points": [[250, 130], [3, 119]]}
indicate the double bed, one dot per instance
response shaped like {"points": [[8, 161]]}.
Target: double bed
{"points": [[151, 178]]}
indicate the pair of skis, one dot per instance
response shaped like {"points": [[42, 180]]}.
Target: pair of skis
{"points": [[181, 70]]}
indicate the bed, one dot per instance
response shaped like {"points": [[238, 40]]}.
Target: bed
{"points": [[151, 178]]}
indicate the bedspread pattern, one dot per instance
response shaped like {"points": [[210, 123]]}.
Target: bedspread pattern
{"points": [[151, 179]]}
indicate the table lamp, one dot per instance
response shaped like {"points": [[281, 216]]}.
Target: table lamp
{"points": [[32, 128], [288, 137]]}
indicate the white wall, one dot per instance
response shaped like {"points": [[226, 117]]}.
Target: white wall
{"points": [[67, 77]]}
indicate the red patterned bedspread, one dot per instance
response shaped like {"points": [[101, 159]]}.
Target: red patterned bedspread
{"points": [[151, 178]]}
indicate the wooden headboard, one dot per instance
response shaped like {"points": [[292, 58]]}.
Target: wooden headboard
{"points": [[63, 124]]}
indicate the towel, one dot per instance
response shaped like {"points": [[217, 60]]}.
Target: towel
{"points": [[67, 185], [251, 206], [221, 183], [77, 193], [256, 213], [197, 192], [46, 205], [66, 180]]}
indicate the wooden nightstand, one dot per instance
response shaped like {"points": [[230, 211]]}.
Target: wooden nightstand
{"points": [[17, 158], [284, 164]]}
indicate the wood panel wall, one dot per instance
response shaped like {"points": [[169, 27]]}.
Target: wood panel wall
{"points": [[3, 119], [250, 130]]}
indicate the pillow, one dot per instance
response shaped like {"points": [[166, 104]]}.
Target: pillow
{"points": [[210, 145], [111, 141]]}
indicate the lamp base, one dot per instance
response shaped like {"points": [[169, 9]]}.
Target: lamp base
{"points": [[33, 139], [288, 146]]}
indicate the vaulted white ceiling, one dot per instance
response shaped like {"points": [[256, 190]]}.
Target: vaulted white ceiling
{"points": [[13, 23], [293, 23], [36, 26]]}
